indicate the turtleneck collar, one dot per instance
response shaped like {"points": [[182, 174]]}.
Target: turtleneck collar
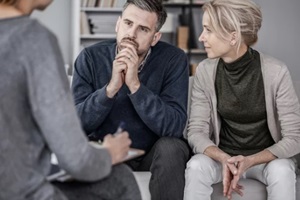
{"points": [[241, 62]]}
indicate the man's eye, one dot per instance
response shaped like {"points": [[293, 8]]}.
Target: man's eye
{"points": [[127, 23], [144, 29]]}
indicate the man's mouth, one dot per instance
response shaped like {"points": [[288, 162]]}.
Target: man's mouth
{"points": [[129, 41]]}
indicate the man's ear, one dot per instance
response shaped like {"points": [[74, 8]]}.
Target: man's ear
{"points": [[118, 24], [156, 38]]}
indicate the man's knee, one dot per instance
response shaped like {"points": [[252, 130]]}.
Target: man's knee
{"points": [[167, 147]]}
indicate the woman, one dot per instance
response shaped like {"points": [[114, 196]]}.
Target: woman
{"points": [[37, 116], [245, 117]]}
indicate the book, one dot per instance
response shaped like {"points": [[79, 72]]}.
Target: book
{"points": [[182, 37], [118, 3], [84, 3], [101, 23], [91, 3], [84, 24], [106, 3]]}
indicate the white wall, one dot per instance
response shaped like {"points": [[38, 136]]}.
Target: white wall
{"points": [[57, 17], [278, 37], [280, 32]]}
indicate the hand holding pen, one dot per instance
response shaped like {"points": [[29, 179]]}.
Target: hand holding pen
{"points": [[120, 129], [117, 144]]}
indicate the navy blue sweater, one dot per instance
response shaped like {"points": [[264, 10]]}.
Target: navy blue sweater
{"points": [[157, 109]]}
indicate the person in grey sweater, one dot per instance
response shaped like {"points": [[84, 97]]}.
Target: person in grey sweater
{"points": [[37, 117], [245, 115]]}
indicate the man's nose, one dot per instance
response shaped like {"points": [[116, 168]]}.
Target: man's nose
{"points": [[132, 32]]}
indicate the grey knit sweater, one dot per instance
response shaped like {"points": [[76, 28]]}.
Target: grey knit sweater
{"points": [[37, 116]]}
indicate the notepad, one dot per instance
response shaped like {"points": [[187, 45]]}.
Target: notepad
{"points": [[58, 174], [133, 153]]}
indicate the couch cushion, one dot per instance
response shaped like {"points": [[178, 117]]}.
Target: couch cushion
{"points": [[143, 179]]}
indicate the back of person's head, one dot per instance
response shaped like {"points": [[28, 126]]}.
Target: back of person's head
{"points": [[8, 2], [242, 16], [27, 6], [155, 6]]}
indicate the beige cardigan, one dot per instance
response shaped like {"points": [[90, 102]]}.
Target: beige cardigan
{"points": [[283, 110]]}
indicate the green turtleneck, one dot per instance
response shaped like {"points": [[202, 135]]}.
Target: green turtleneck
{"points": [[241, 106]]}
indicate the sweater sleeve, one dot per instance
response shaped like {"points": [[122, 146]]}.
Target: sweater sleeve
{"points": [[54, 112], [199, 128], [166, 114], [92, 104], [287, 144]]}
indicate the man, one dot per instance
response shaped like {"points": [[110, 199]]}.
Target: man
{"points": [[143, 82]]}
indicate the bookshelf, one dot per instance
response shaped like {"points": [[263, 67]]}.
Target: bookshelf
{"points": [[82, 12], [190, 18], [87, 12]]}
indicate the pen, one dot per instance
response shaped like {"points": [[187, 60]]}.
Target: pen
{"points": [[120, 128]]}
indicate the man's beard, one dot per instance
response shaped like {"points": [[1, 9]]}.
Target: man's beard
{"points": [[128, 40]]}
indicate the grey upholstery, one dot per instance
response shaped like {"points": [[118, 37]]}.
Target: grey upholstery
{"points": [[253, 190]]}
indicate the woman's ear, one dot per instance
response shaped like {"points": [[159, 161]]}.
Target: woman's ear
{"points": [[233, 39], [156, 38]]}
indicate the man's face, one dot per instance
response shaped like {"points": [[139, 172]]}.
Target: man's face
{"points": [[137, 27]]}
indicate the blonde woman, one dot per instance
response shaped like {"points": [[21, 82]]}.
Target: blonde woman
{"points": [[245, 117], [37, 117]]}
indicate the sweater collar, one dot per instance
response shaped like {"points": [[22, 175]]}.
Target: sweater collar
{"points": [[241, 62]]}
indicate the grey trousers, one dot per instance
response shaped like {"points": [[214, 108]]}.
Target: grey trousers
{"points": [[166, 161], [119, 185], [278, 175]]}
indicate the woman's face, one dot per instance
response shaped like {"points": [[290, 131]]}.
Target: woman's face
{"points": [[42, 4], [215, 46], [26, 7]]}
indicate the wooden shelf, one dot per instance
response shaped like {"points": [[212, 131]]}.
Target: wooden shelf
{"points": [[100, 9], [184, 4], [195, 51], [98, 36]]}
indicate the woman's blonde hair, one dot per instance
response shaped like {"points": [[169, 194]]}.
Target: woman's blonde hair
{"points": [[8, 2], [241, 16]]}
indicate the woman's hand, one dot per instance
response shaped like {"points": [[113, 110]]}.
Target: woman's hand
{"points": [[117, 145]]}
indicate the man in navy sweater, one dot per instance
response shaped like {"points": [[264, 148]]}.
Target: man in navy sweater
{"points": [[143, 82]]}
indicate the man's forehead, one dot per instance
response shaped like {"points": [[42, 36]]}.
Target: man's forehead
{"points": [[134, 13]]}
